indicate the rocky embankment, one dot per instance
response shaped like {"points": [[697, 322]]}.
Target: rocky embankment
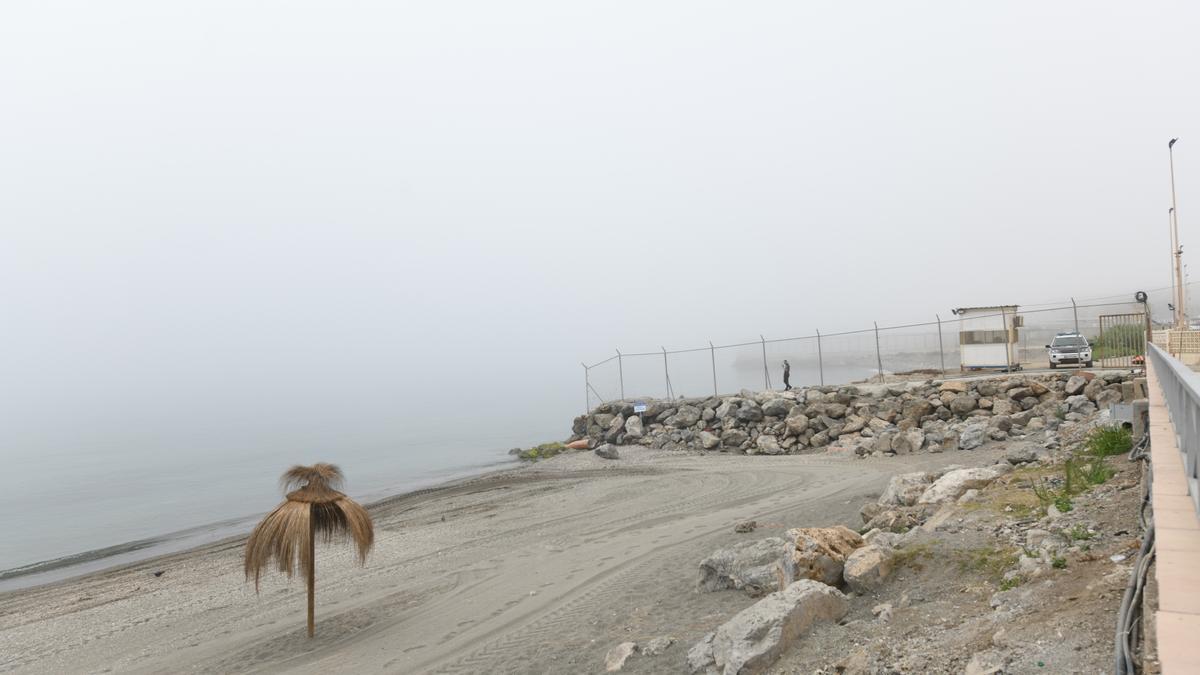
{"points": [[930, 416]]}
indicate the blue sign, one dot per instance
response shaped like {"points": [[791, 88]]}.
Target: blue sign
{"points": [[639, 406]]}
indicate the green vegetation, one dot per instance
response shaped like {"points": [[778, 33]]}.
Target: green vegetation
{"points": [[910, 556], [543, 451], [1108, 441], [1011, 583], [990, 561], [1079, 533], [1079, 475], [1058, 563], [1124, 340]]}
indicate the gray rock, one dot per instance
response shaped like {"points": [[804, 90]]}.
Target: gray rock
{"points": [[796, 423], [1093, 389], [734, 438], [749, 412], [709, 440], [684, 417], [778, 407], [908, 441], [607, 451], [657, 646], [962, 404], [1079, 404], [768, 445], [634, 428], [1023, 453], [753, 566], [953, 484], [754, 638], [973, 436], [905, 489], [615, 659], [867, 568], [1075, 385]]}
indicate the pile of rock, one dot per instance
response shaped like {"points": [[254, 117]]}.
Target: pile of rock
{"points": [[931, 416]]}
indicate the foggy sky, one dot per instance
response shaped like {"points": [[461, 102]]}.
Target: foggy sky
{"points": [[228, 224]]}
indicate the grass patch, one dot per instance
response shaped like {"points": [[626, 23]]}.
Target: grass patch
{"points": [[1109, 441], [1058, 563], [1011, 583], [912, 555], [1079, 474], [1079, 533], [989, 561]]}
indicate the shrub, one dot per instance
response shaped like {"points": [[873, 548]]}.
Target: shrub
{"points": [[1124, 340], [1058, 563], [1108, 441]]}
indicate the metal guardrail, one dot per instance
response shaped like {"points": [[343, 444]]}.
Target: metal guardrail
{"points": [[1181, 389]]}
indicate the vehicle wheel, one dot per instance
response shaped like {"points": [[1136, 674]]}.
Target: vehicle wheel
{"points": [[1088, 364], [1053, 365]]}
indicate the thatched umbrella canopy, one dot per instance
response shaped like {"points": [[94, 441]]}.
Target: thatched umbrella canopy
{"points": [[287, 536]]}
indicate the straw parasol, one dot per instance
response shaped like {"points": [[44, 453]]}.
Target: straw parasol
{"points": [[287, 536]]}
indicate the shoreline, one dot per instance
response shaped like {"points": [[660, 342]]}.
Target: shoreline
{"points": [[193, 539], [473, 575]]}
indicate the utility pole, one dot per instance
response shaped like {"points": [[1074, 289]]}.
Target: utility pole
{"points": [[1181, 300]]}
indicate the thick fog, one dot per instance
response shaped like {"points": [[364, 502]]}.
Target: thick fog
{"points": [[232, 225]]}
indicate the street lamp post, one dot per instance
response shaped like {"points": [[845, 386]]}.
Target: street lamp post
{"points": [[1181, 299]]}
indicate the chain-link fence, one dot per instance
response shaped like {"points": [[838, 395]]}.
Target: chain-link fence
{"points": [[922, 348]]}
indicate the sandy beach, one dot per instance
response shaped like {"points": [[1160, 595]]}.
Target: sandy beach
{"points": [[537, 569]]}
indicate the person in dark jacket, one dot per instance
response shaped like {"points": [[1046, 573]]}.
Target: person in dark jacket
{"points": [[787, 372]]}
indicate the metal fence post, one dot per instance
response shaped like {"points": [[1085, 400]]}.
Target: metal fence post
{"points": [[1004, 323], [878, 354], [621, 373], [941, 349], [587, 395], [766, 374], [667, 375], [820, 359], [712, 353], [1074, 311]]}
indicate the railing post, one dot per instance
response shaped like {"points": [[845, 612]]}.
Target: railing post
{"points": [[621, 373], [766, 374], [1074, 311], [587, 395], [712, 353], [820, 359], [941, 349], [878, 354], [667, 375]]}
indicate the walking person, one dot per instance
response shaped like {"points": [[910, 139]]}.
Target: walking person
{"points": [[787, 372]]}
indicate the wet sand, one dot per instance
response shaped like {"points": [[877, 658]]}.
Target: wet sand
{"points": [[539, 569]]}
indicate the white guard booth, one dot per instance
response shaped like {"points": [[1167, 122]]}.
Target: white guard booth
{"points": [[987, 337]]}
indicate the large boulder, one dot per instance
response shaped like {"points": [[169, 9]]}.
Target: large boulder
{"points": [[755, 637], [955, 386], [778, 407], [709, 440], [952, 485], [867, 567], [905, 489], [686, 416], [1075, 385], [749, 412], [1093, 389], [753, 566], [796, 423], [734, 438], [607, 451], [908, 441], [962, 404], [1079, 404], [973, 436], [768, 444], [634, 428], [820, 552]]}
